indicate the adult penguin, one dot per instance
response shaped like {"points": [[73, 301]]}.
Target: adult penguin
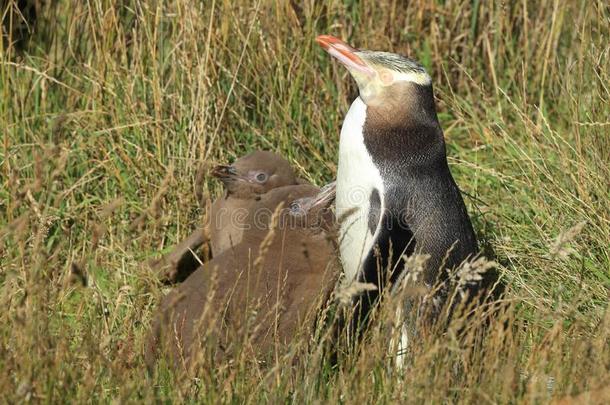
{"points": [[395, 195]]}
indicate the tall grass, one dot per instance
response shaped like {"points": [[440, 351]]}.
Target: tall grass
{"points": [[111, 109]]}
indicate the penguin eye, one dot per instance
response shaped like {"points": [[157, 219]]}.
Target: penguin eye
{"points": [[261, 177], [386, 76]]}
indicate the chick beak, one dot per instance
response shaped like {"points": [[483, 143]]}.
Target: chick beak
{"points": [[225, 173], [345, 54]]}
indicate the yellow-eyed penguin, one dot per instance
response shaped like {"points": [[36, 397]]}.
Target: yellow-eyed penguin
{"points": [[395, 194]]}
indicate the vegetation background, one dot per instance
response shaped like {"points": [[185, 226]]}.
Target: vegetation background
{"points": [[111, 108]]}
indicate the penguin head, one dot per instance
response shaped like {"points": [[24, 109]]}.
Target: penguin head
{"points": [[379, 75], [255, 173]]}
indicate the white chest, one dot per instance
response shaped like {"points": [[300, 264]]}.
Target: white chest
{"points": [[357, 177]]}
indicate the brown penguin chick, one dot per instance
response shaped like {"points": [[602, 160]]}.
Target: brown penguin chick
{"points": [[245, 181], [317, 208], [255, 297]]}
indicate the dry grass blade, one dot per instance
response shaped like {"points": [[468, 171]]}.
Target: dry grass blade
{"points": [[560, 247]]}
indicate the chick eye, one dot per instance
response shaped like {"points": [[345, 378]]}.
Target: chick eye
{"points": [[261, 177]]}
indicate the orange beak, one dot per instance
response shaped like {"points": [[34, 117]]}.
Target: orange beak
{"points": [[344, 53]]}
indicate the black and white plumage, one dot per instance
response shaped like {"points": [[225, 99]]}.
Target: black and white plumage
{"points": [[395, 193]]}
